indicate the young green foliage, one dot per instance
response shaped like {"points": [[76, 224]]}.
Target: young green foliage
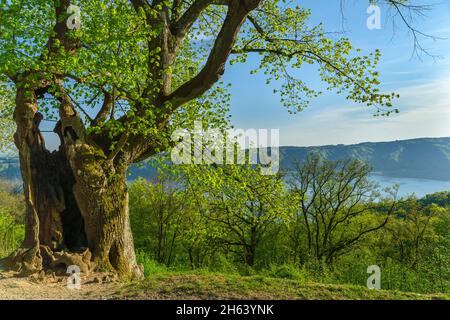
{"points": [[136, 70]]}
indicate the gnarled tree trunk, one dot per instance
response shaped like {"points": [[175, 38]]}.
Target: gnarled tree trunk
{"points": [[76, 199]]}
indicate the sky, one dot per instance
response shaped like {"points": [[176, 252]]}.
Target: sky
{"points": [[423, 83]]}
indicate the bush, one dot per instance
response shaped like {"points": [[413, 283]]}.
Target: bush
{"points": [[12, 230], [151, 267], [11, 234], [286, 271]]}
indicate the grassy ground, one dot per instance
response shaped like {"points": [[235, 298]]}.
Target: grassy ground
{"points": [[215, 286], [188, 286]]}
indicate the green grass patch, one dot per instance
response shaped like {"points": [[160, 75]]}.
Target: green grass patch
{"points": [[220, 286]]}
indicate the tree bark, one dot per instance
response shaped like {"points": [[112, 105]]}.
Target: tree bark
{"points": [[102, 197], [76, 200], [250, 249]]}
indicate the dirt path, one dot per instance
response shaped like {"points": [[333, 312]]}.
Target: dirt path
{"points": [[55, 288]]}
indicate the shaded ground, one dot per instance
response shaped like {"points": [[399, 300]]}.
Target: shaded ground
{"points": [[189, 286]]}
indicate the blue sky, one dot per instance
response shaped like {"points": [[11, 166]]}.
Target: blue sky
{"points": [[424, 84]]}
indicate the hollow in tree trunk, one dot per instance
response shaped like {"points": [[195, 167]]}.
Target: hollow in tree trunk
{"points": [[76, 200]]}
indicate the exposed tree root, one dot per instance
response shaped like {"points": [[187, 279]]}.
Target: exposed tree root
{"points": [[25, 261], [30, 261], [60, 261]]}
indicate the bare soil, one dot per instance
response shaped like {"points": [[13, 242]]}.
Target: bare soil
{"points": [[51, 287]]}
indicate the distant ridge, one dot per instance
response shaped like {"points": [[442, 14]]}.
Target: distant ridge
{"points": [[423, 158]]}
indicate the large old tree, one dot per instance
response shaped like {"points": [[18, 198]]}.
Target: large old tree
{"points": [[119, 83]]}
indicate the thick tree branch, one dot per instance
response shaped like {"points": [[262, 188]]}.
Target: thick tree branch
{"points": [[104, 109], [215, 65]]}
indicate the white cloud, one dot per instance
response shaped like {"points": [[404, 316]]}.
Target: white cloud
{"points": [[424, 112]]}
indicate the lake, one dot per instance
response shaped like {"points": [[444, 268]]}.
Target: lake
{"points": [[420, 187]]}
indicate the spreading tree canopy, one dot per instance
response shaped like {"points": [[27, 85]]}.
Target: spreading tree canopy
{"points": [[118, 77]]}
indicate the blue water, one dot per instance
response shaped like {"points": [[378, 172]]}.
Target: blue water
{"points": [[408, 186]]}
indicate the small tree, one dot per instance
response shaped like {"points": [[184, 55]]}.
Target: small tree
{"points": [[241, 202], [413, 247], [410, 235], [157, 217], [166, 222], [334, 200]]}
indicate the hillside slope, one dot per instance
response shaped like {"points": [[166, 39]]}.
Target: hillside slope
{"points": [[427, 158]]}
